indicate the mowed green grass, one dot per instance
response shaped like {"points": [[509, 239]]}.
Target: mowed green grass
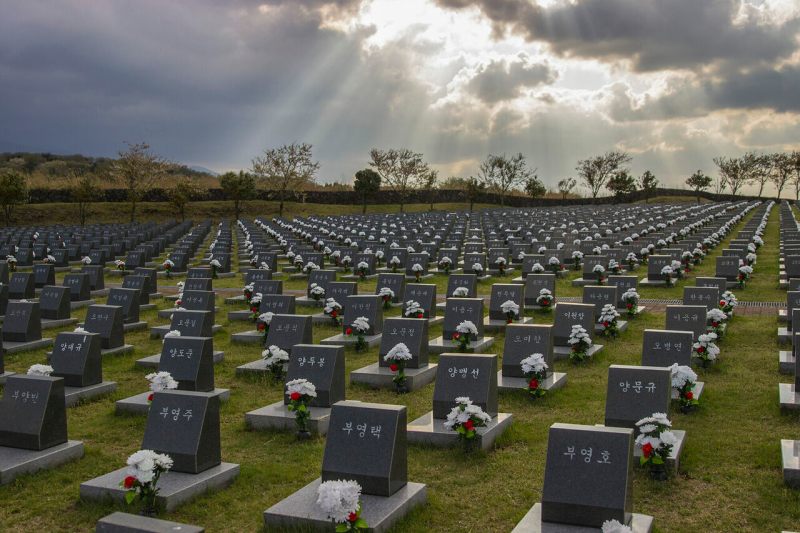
{"points": [[730, 475]]}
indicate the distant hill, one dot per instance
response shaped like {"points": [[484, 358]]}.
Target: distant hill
{"points": [[203, 170]]}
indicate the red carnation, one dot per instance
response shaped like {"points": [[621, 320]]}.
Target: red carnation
{"points": [[456, 336], [715, 324], [294, 396], [129, 482], [629, 306], [647, 450], [469, 425], [701, 349], [420, 315], [605, 324], [150, 397], [722, 303], [393, 367], [690, 395], [253, 309], [534, 383], [352, 517], [334, 313], [348, 331], [261, 326]]}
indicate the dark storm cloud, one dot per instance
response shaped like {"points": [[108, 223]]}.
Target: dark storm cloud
{"points": [[650, 34], [503, 80]]}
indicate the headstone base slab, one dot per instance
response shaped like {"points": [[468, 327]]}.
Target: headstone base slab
{"points": [[5, 375], [133, 326], [99, 293], [243, 315], [789, 398], [786, 362], [622, 326], [153, 360], [349, 341], [380, 377], [247, 337], [133, 523], [783, 315], [119, 350], [674, 460], [580, 282], [52, 324], [647, 282], [532, 523], [81, 304], [15, 347], [562, 352], [554, 381], [235, 299], [73, 395], [158, 332], [414, 278], [15, 461], [175, 488], [430, 431], [500, 325], [791, 462], [439, 345], [137, 404], [356, 277], [277, 416], [309, 302], [301, 511], [784, 336]]}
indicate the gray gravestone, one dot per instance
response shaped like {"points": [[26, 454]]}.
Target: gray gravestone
{"points": [[524, 340], [534, 283], [727, 267], [472, 375], [720, 283], [44, 275], [79, 286], [568, 315], [106, 320], [425, 296], [598, 296], [54, 302], [139, 282], [185, 426], [366, 443], [192, 323], [321, 365], [190, 361], [198, 284], [412, 332], [396, 282], [662, 347], [21, 286], [455, 281], [458, 310], [623, 284], [367, 305], [277, 303], [34, 414], [286, 331], [502, 292], [128, 300], [707, 296], [23, 322], [76, 358], [635, 392], [687, 318]]}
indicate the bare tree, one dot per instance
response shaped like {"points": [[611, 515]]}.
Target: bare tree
{"points": [[795, 158], [759, 168], [400, 170], [595, 171], [503, 173], [84, 190], [734, 171], [565, 187], [782, 170], [720, 183], [137, 169], [286, 169], [475, 188]]}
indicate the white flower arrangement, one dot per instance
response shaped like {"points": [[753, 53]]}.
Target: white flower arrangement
{"points": [[463, 412], [534, 363], [613, 526], [80, 330], [394, 261], [339, 500], [311, 266], [511, 309], [379, 255], [580, 342], [599, 269], [608, 314], [86, 260], [477, 268], [386, 293], [577, 255], [467, 327], [316, 291], [500, 261], [144, 464], [161, 381], [168, 263], [417, 268], [215, 263], [682, 375], [255, 300], [537, 268], [716, 315], [398, 352], [545, 298], [413, 309], [361, 324], [274, 355], [460, 292], [363, 266], [266, 318], [655, 439], [706, 348], [331, 305], [303, 387], [40, 370]]}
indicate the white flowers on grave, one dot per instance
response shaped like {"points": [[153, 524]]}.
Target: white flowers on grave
{"points": [[537, 268], [465, 418], [298, 260], [521, 256], [160, 381], [477, 268], [119, 263], [580, 342], [600, 271], [414, 309], [613, 526], [144, 469], [460, 292], [614, 267], [511, 309], [706, 348], [631, 299], [310, 266], [79, 330], [300, 393], [417, 269], [744, 274], [463, 334], [728, 302], [656, 442], [555, 264], [758, 241], [86, 260], [215, 263], [397, 357], [577, 256], [535, 369], [667, 272], [275, 358], [40, 370], [467, 328], [172, 333], [387, 295], [340, 501], [394, 262], [683, 381], [316, 291], [608, 320], [545, 299], [361, 324]]}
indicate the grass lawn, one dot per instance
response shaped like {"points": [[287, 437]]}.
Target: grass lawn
{"points": [[730, 475]]}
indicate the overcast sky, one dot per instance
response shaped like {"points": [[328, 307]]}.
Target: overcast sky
{"points": [[212, 83]]}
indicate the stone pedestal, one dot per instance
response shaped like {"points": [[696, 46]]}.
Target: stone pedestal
{"points": [[786, 362], [158, 332], [74, 395], [532, 523], [789, 398], [440, 345], [554, 381], [138, 404], [277, 416], [247, 337], [119, 350], [350, 341], [175, 488], [300, 510], [646, 282], [16, 347], [16, 461], [790, 456], [431, 431], [81, 304], [500, 325], [622, 326], [53, 324], [235, 299], [309, 302], [784, 336], [562, 352], [377, 376], [242, 316], [5, 375], [153, 360], [133, 523]]}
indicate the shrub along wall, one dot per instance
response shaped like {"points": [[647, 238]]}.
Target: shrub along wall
{"points": [[41, 196]]}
